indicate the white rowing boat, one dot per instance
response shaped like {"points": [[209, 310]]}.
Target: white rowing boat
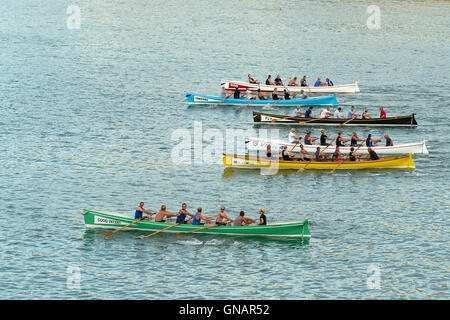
{"points": [[243, 86], [258, 144]]}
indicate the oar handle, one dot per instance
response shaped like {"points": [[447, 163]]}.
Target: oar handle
{"points": [[112, 232]]}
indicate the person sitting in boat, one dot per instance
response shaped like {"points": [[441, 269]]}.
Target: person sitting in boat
{"points": [[324, 138], [293, 82], [222, 215], [236, 94], [372, 154], [261, 96], [326, 113], [352, 114], [303, 95], [303, 82], [308, 112], [371, 142], [338, 113], [296, 112], [241, 220], [329, 82], [251, 80], [389, 142], [353, 156], [366, 115], [269, 81], [269, 151], [318, 83], [287, 96], [140, 210], [262, 217], [304, 153], [278, 81], [336, 155], [287, 156], [182, 214], [248, 94], [354, 139], [340, 141], [164, 213], [382, 113], [292, 138], [308, 139], [320, 155], [275, 94], [198, 217]]}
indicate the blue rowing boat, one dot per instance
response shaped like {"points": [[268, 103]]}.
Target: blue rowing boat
{"points": [[196, 98]]}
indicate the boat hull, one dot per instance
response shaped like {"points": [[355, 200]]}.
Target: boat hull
{"points": [[255, 162], [257, 144], [95, 219], [401, 121], [230, 86], [201, 99]]}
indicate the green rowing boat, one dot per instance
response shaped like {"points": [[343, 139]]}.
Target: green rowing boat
{"points": [[94, 219]]}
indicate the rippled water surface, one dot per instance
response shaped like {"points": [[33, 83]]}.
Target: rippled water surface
{"points": [[87, 117]]}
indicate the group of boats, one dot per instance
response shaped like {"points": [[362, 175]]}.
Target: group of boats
{"points": [[398, 156]]}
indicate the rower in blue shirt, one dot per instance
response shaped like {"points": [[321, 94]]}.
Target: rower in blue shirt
{"points": [[183, 212], [197, 220], [140, 210], [318, 83], [308, 112]]}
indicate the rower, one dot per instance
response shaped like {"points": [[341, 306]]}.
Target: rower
{"points": [[338, 113], [382, 113], [318, 83], [389, 142], [198, 216], [354, 139], [319, 155], [140, 210], [293, 82], [303, 82], [292, 137], [371, 142], [365, 115], [329, 82], [182, 214], [353, 156], [324, 138], [164, 213], [269, 80], [303, 94], [287, 156], [286, 95], [336, 154], [275, 94], [372, 154], [308, 112], [304, 153], [278, 81], [248, 94], [340, 141], [352, 114], [296, 112], [326, 113], [262, 217], [269, 151], [251, 80], [240, 220], [222, 215], [261, 96], [309, 139]]}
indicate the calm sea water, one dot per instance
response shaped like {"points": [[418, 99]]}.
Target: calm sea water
{"points": [[87, 117]]}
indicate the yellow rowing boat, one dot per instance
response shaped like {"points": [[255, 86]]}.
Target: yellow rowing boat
{"points": [[249, 162]]}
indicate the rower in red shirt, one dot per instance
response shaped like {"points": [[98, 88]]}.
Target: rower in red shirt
{"points": [[382, 113]]}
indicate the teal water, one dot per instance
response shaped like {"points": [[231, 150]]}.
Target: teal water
{"points": [[87, 118]]}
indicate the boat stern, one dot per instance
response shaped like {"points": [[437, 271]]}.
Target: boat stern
{"points": [[357, 87], [424, 148], [334, 101]]}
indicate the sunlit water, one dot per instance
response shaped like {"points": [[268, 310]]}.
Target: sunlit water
{"points": [[87, 117]]}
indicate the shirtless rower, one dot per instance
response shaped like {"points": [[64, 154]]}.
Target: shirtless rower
{"points": [[164, 213], [366, 115], [222, 215], [241, 220], [304, 153], [293, 82], [140, 210]]}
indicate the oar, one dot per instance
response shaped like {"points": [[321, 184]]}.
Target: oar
{"points": [[275, 120], [294, 146], [346, 158], [275, 103], [223, 100], [347, 121], [181, 233], [301, 169], [303, 122], [156, 232], [251, 101], [110, 233]]}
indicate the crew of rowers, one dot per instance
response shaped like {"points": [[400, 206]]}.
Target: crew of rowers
{"points": [[337, 114], [276, 95], [196, 218], [319, 155]]}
